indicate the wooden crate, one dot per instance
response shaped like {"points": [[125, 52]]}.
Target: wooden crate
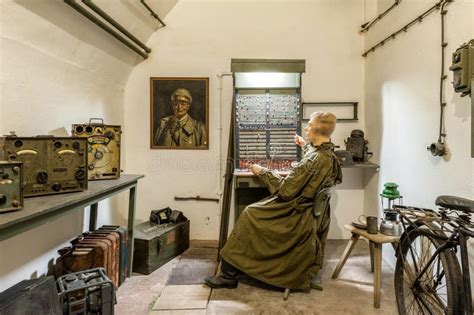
{"points": [[155, 244]]}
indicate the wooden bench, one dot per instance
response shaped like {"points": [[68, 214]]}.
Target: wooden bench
{"points": [[375, 245]]}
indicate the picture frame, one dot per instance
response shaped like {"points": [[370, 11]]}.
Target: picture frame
{"points": [[344, 111], [179, 113]]}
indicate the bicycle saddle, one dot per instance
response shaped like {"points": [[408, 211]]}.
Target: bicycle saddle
{"points": [[455, 203]]}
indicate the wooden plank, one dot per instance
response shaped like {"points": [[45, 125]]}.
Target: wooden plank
{"points": [[347, 251], [227, 197], [377, 274], [371, 247], [377, 238], [39, 210]]}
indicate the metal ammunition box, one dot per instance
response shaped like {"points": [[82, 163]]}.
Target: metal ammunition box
{"points": [[11, 181], [52, 165], [103, 148], [155, 244]]}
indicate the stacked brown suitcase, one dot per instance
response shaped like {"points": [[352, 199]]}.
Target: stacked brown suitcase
{"points": [[100, 248]]}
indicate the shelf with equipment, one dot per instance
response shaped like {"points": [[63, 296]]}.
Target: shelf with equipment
{"points": [[40, 210]]}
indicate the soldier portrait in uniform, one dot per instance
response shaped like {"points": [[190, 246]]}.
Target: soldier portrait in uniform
{"points": [[179, 113]]}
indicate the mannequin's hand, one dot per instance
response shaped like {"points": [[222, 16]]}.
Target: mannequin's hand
{"points": [[299, 141], [256, 169]]}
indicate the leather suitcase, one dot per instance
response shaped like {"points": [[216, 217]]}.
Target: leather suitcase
{"points": [[123, 232], [97, 249], [115, 238], [112, 257], [74, 259], [99, 243], [155, 244]]}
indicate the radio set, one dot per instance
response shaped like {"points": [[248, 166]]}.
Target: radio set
{"points": [[45, 165], [52, 165], [103, 148], [11, 179]]}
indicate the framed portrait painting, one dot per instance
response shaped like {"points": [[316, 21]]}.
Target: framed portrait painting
{"points": [[179, 111]]}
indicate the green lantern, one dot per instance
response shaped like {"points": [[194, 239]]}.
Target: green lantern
{"points": [[390, 191], [390, 225]]}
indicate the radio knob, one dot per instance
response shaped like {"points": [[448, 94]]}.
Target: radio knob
{"points": [[16, 169], [80, 174], [76, 145], [42, 177], [15, 203], [3, 199], [56, 186], [109, 134], [98, 154]]}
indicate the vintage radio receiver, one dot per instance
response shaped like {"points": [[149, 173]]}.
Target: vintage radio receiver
{"points": [[103, 148], [52, 165], [11, 180], [266, 122]]}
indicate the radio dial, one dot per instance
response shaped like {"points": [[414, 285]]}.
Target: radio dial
{"points": [[109, 134], [76, 145], [42, 177], [3, 199], [80, 174], [56, 186]]}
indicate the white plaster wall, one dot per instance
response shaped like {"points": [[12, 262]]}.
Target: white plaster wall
{"points": [[58, 68], [324, 32], [402, 107]]}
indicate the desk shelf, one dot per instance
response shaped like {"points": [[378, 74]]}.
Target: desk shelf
{"points": [[39, 210], [365, 165]]}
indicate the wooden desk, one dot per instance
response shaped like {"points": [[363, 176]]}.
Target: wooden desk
{"points": [[39, 210], [375, 245]]}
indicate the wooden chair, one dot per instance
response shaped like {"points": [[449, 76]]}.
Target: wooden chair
{"points": [[321, 211]]}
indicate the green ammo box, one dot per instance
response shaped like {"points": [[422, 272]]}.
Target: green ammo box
{"points": [[155, 245]]}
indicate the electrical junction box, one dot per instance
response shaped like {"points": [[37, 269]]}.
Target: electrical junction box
{"points": [[462, 67]]}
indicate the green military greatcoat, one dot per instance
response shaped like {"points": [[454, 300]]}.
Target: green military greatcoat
{"points": [[275, 239]]}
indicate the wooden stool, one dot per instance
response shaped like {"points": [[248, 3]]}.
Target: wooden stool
{"points": [[375, 245]]}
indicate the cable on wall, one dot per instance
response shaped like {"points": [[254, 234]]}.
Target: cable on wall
{"points": [[405, 28], [439, 148], [366, 26], [153, 14]]}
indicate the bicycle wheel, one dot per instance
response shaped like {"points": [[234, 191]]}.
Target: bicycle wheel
{"points": [[436, 290]]}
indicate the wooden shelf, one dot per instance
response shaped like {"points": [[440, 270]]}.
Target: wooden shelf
{"points": [[39, 210]]}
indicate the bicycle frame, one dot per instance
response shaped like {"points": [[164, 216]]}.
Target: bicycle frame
{"points": [[459, 236]]}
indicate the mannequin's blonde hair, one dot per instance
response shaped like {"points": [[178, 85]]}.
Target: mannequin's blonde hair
{"points": [[326, 123]]}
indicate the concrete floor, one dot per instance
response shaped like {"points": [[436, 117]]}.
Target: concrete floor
{"points": [[351, 293]]}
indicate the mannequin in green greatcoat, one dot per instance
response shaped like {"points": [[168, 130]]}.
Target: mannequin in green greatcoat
{"points": [[275, 239]]}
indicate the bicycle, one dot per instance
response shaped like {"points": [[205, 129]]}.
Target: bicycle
{"points": [[428, 276]]}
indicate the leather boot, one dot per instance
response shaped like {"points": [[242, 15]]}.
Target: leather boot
{"points": [[221, 281]]}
